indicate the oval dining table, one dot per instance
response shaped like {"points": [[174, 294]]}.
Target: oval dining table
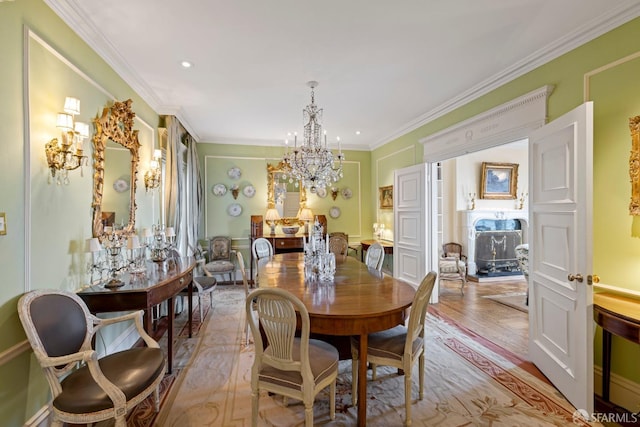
{"points": [[358, 301]]}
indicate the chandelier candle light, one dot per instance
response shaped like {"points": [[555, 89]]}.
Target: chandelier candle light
{"points": [[313, 163]]}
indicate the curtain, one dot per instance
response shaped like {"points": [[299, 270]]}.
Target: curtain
{"points": [[174, 197], [194, 196]]}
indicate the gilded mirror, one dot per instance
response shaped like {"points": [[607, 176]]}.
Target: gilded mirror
{"points": [[114, 130], [277, 179]]}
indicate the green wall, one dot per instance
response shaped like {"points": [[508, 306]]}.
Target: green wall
{"points": [[46, 224], [22, 392], [217, 159], [615, 95]]}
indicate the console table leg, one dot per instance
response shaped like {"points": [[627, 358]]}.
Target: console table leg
{"points": [[606, 364]]}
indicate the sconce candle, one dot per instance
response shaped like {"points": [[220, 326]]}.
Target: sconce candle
{"points": [[60, 157]]}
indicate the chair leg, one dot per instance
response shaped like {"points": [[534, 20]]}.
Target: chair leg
{"points": [[200, 307], [374, 375], [121, 421], [407, 396], [156, 399], [308, 414], [254, 408], [421, 375]]}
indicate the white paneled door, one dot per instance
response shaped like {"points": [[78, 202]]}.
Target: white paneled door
{"points": [[561, 304], [410, 204]]}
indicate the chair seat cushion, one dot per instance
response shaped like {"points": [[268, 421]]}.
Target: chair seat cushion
{"points": [[219, 266], [323, 358], [450, 265], [132, 371], [389, 343], [205, 282]]}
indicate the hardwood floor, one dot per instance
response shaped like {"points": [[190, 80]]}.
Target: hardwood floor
{"points": [[504, 325]]}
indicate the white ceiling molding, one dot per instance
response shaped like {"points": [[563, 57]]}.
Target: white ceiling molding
{"points": [[617, 17], [508, 122]]}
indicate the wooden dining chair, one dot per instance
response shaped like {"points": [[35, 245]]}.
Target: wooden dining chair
{"points": [[245, 284], [339, 246], [261, 248], [296, 367], [400, 347], [86, 389], [375, 256]]}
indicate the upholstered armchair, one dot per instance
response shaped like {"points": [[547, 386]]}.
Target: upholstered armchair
{"points": [[452, 265], [221, 258]]}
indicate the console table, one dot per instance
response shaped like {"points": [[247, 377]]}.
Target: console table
{"points": [[161, 282], [617, 315], [281, 243]]}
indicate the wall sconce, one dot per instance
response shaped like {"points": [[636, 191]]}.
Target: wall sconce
{"points": [[153, 176], [334, 192], [66, 154]]}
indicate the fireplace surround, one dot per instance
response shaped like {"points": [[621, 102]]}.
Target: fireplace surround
{"points": [[500, 241]]}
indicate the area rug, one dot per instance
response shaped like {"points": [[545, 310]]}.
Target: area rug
{"points": [[512, 299], [469, 382]]}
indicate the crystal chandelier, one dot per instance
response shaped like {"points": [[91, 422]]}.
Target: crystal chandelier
{"points": [[313, 164]]}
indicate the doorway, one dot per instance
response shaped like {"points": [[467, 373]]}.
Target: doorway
{"points": [[493, 307]]}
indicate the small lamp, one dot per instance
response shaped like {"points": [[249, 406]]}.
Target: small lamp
{"points": [[305, 215], [271, 217]]}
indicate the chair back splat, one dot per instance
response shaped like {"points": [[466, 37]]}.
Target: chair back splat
{"points": [[282, 363]]}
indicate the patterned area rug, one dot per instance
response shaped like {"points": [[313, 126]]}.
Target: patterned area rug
{"points": [[469, 382]]}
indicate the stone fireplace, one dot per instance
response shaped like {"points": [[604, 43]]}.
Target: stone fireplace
{"points": [[490, 237]]}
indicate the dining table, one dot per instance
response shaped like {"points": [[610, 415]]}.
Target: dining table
{"points": [[358, 301]]}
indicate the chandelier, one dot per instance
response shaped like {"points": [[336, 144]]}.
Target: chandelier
{"points": [[313, 163]]}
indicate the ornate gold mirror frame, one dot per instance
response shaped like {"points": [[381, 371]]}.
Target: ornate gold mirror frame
{"points": [[116, 124], [272, 172], [634, 165]]}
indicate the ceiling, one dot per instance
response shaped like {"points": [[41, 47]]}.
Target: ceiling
{"points": [[384, 67]]}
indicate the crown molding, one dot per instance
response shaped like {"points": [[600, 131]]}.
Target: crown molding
{"points": [[614, 18]]}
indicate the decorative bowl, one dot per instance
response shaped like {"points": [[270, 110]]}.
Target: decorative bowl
{"points": [[290, 229]]}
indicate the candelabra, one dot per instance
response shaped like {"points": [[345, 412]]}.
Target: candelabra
{"points": [[163, 242], [113, 245], [136, 253], [98, 264], [378, 230], [523, 197], [319, 263], [472, 201]]}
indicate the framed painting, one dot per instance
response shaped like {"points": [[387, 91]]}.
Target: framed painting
{"points": [[386, 197], [499, 180]]}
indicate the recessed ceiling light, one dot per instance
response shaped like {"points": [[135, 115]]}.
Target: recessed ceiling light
{"points": [[186, 64], [357, 132]]}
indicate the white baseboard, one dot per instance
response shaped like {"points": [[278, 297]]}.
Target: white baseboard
{"points": [[622, 392]]}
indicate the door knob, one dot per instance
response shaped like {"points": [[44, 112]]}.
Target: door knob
{"points": [[577, 277]]}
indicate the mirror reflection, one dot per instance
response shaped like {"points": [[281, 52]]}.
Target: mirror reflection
{"points": [[284, 193], [115, 165]]}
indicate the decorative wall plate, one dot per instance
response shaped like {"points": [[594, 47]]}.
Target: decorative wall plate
{"points": [[234, 209], [234, 172], [249, 191], [334, 212], [347, 193], [322, 192], [120, 185], [219, 189]]}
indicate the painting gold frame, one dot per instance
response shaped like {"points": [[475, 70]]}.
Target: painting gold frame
{"points": [[499, 181], [3, 224], [386, 197], [634, 165]]}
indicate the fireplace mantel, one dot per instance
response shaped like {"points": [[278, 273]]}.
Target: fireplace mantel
{"points": [[468, 220]]}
